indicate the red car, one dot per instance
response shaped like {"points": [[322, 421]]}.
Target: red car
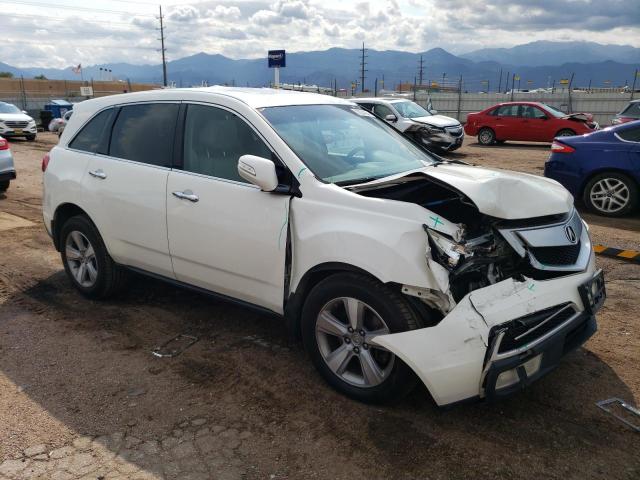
{"points": [[527, 121]]}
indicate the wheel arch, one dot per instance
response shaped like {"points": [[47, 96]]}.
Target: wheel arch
{"points": [[310, 279], [63, 213]]}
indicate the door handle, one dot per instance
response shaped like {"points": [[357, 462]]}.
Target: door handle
{"points": [[187, 195], [98, 174]]}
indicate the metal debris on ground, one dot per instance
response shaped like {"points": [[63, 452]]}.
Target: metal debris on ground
{"points": [[628, 255], [609, 404], [174, 346]]}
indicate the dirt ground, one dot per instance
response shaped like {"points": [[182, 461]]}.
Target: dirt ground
{"points": [[81, 395]]}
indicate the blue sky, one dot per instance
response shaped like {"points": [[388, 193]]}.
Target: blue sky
{"points": [[64, 32]]}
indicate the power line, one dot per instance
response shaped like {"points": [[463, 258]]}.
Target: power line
{"points": [[69, 7]]}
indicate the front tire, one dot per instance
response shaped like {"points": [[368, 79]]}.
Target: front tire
{"points": [[486, 136], [339, 318], [86, 260], [31, 138], [4, 186], [611, 194]]}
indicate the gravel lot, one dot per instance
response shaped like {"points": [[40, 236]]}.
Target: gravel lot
{"points": [[81, 396]]}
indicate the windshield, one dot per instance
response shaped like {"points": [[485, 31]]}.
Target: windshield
{"points": [[410, 109], [9, 108], [554, 111], [344, 144]]}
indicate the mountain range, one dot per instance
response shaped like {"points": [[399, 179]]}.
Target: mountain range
{"points": [[537, 64]]}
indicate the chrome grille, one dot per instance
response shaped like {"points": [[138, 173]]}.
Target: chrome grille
{"points": [[455, 131], [16, 124]]}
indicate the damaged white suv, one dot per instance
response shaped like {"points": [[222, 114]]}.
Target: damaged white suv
{"points": [[390, 265]]}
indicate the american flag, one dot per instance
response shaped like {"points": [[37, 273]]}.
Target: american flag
{"points": [[77, 69]]}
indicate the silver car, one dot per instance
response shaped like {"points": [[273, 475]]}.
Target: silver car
{"points": [[7, 169], [436, 132]]}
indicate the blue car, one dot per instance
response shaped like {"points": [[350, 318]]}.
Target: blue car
{"points": [[602, 168]]}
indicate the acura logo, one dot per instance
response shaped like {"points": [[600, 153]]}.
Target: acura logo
{"points": [[570, 233]]}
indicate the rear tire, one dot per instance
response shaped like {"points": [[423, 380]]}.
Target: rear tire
{"points": [[611, 194], [486, 136], [347, 362], [4, 185], [566, 132], [86, 260]]}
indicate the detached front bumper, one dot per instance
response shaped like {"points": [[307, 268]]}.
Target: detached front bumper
{"points": [[458, 359]]}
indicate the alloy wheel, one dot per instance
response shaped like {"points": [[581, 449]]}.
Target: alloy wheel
{"points": [[609, 195], [81, 259], [344, 329]]}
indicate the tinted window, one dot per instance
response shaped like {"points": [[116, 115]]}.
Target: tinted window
{"points": [[507, 111], [633, 110], [630, 134], [214, 140], [382, 111], [93, 134], [144, 133]]}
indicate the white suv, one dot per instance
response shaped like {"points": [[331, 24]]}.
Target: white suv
{"points": [[382, 259]]}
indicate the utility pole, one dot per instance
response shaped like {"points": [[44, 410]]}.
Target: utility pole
{"points": [[635, 77], [163, 50], [363, 63], [421, 71], [506, 82], [500, 83], [444, 75]]}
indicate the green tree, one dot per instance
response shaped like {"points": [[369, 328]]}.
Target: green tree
{"points": [[40, 77], [6, 75]]}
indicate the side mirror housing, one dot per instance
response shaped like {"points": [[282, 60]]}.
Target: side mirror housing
{"points": [[25, 112], [391, 118], [259, 171], [433, 112]]}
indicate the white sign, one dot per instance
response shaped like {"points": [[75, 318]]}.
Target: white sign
{"points": [[86, 91]]}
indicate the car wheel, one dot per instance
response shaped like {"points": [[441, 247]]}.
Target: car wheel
{"points": [[486, 136], [31, 138], [611, 194], [4, 185], [566, 133], [86, 260], [339, 318]]}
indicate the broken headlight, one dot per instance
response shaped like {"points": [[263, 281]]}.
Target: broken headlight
{"points": [[449, 253]]}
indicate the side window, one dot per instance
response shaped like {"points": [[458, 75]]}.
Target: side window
{"points": [[93, 135], [214, 140], [630, 134], [529, 111], [366, 106], [382, 110], [508, 111], [144, 133]]}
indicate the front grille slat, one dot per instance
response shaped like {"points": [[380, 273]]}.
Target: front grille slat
{"points": [[563, 255], [524, 330], [16, 124]]}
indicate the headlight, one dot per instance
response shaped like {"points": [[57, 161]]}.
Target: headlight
{"points": [[433, 130], [32, 122], [448, 250]]}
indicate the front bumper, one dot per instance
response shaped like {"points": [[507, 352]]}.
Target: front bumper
{"points": [[9, 132], [445, 140], [453, 358]]}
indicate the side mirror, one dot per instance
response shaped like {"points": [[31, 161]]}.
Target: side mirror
{"points": [[391, 118], [259, 171], [25, 112], [433, 112]]}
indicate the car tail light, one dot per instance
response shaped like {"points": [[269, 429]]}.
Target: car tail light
{"points": [[559, 147], [4, 145], [45, 162]]}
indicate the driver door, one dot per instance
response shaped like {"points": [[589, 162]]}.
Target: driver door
{"points": [[225, 235]]}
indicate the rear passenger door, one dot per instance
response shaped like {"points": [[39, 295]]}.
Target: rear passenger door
{"points": [[225, 234], [506, 122], [125, 185]]}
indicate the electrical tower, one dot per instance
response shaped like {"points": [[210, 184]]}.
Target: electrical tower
{"points": [[363, 64], [162, 49], [420, 71]]}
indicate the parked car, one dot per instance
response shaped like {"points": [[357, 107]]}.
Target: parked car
{"points": [[7, 168], [380, 257], [426, 127], [16, 123], [630, 113], [602, 169], [526, 121], [57, 125]]}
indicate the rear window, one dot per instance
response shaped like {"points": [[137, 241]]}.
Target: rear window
{"points": [[92, 137], [630, 134], [632, 110], [144, 133]]}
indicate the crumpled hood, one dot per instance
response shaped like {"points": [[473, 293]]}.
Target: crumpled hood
{"points": [[499, 193], [586, 117], [437, 121]]}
